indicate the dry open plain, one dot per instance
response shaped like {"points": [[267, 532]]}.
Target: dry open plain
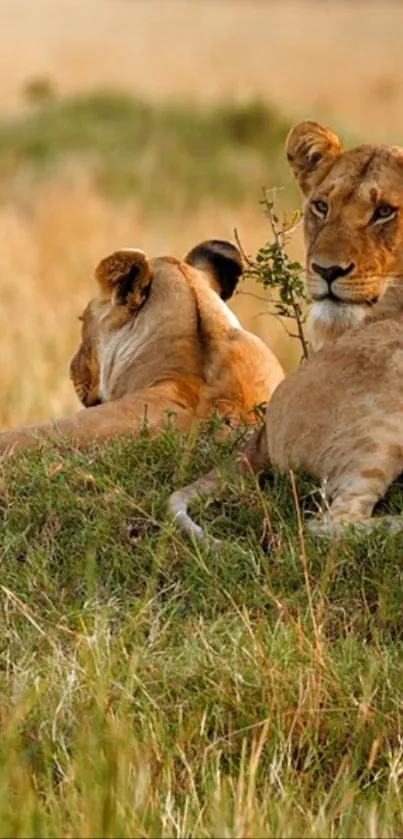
{"points": [[340, 61]]}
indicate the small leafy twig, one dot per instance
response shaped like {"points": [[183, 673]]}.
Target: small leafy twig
{"points": [[272, 268], [247, 259]]}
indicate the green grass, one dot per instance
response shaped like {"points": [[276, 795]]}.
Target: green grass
{"points": [[167, 155], [154, 688]]}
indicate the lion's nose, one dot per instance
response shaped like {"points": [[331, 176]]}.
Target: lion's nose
{"points": [[330, 273]]}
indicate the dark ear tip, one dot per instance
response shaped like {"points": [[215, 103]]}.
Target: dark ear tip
{"points": [[221, 259], [211, 248]]}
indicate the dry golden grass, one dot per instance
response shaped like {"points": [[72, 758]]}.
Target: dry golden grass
{"points": [[342, 61]]}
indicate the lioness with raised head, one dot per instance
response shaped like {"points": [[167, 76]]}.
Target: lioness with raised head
{"points": [[339, 417], [159, 339]]}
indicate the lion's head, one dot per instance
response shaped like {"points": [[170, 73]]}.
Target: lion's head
{"points": [[144, 320], [353, 227]]}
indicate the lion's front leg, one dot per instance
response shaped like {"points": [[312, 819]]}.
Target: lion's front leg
{"points": [[103, 422]]}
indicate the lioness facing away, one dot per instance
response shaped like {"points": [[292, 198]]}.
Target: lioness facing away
{"points": [[339, 417], [157, 338]]}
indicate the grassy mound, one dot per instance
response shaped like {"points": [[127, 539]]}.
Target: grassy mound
{"points": [[154, 688]]}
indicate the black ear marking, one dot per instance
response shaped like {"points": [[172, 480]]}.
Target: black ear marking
{"points": [[125, 277], [315, 158], [221, 260], [127, 284]]}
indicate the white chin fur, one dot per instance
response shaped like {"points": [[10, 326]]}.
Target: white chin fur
{"points": [[328, 320]]}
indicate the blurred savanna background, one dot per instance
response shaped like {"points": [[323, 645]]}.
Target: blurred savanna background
{"points": [[155, 124]]}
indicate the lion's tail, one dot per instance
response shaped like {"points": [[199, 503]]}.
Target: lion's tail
{"points": [[253, 458], [179, 501]]}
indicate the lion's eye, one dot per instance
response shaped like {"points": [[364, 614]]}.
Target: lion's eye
{"points": [[320, 208], [384, 212]]}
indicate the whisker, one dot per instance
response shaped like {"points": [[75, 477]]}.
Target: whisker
{"points": [[368, 276]]}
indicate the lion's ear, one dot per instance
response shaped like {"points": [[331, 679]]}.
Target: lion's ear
{"points": [[125, 277], [221, 261], [311, 149]]}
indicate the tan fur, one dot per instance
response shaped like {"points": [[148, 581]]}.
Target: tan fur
{"points": [[339, 417], [354, 185], [159, 339]]}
